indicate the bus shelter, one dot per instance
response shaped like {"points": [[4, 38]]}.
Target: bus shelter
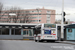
{"points": [[70, 32], [59, 31], [16, 31]]}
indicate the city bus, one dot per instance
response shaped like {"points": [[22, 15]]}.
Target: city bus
{"points": [[45, 32]]}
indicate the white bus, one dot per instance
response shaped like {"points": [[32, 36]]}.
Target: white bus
{"points": [[45, 32]]}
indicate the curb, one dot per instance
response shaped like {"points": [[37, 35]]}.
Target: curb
{"points": [[68, 43], [11, 39], [25, 39]]}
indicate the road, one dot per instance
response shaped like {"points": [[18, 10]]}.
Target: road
{"points": [[31, 45]]}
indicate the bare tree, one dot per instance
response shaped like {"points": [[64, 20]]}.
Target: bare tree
{"points": [[1, 7], [26, 17], [21, 16], [16, 11], [3, 11]]}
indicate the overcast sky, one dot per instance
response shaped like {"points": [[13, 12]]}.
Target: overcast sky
{"points": [[69, 6]]}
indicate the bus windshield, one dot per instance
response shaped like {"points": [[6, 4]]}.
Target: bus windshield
{"points": [[50, 25]]}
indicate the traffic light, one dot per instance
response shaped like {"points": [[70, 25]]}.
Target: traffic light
{"points": [[63, 16], [64, 13], [63, 19]]}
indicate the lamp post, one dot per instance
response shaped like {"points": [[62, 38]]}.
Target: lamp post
{"points": [[38, 14], [62, 23]]}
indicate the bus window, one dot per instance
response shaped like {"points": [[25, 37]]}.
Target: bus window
{"points": [[49, 25]]}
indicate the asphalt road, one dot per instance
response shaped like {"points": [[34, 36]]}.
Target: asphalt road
{"points": [[31, 45]]}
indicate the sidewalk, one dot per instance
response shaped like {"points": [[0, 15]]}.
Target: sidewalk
{"points": [[67, 42]]}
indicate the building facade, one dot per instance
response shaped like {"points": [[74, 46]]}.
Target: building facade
{"points": [[28, 16]]}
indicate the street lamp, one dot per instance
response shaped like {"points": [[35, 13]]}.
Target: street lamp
{"points": [[38, 14], [62, 23]]}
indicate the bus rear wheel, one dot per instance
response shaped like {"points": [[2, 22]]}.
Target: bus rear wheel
{"points": [[40, 40], [53, 40], [35, 40], [50, 40]]}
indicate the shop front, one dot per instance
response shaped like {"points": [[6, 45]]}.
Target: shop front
{"points": [[28, 34], [17, 31], [10, 32]]}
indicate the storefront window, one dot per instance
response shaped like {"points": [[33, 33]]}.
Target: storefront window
{"points": [[0, 32], [24, 32], [5, 31], [15, 31], [28, 32], [12, 31]]}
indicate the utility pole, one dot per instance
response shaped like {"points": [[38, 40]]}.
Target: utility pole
{"points": [[62, 23]]}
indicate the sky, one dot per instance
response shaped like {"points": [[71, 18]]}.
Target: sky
{"points": [[69, 6]]}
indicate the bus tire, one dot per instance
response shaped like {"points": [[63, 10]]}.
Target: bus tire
{"points": [[35, 40], [48, 41], [53, 41], [39, 41], [62, 39]]}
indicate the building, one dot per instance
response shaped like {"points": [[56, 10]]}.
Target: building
{"points": [[72, 22], [28, 16]]}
